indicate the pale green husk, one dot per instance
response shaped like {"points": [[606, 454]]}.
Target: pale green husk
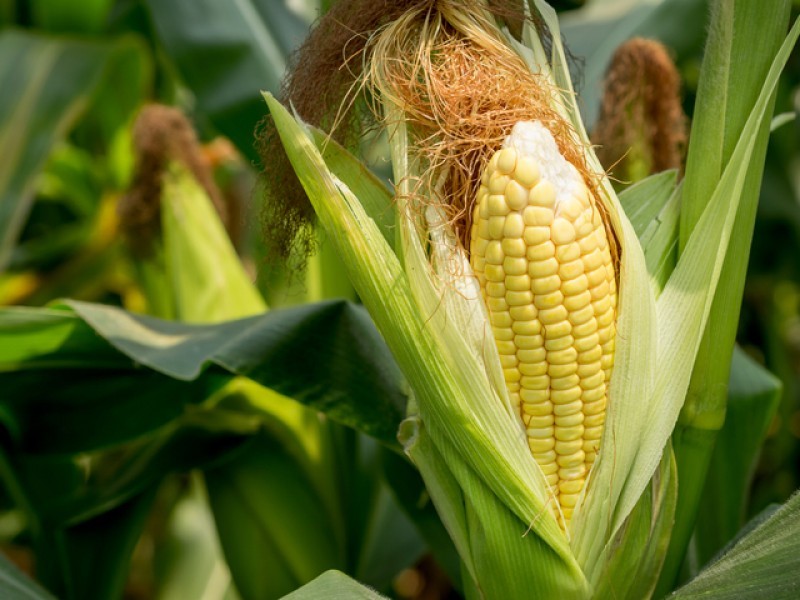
{"points": [[193, 234]]}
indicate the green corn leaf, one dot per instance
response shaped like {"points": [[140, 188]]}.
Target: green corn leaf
{"points": [[289, 350], [343, 467], [188, 556], [88, 17], [275, 537], [54, 480], [226, 52], [383, 541], [723, 107], [315, 444], [90, 559], [176, 439], [48, 84], [762, 564], [780, 120], [70, 182], [69, 489], [334, 585], [15, 585]]}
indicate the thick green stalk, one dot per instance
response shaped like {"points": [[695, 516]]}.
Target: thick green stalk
{"points": [[744, 38]]}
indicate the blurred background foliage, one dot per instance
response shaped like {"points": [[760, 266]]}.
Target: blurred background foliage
{"points": [[73, 78]]}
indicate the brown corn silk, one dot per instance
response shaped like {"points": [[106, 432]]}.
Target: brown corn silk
{"points": [[641, 128], [161, 134], [322, 85], [325, 85]]}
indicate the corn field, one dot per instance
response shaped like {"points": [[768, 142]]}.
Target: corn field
{"points": [[419, 299]]}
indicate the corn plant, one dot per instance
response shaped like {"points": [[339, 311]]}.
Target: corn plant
{"points": [[550, 349], [276, 473], [563, 347]]}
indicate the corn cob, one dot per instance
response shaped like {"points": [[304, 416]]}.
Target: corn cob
{"points": [[542, 255]]}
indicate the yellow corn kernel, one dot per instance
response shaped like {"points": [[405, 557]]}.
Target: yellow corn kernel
{"points": [[540, 250]]}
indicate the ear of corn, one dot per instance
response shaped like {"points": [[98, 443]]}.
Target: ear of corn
{"points": [[446, 361], [191, 229], [541, 252]]}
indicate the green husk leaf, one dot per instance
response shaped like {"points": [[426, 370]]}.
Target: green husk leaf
{"points": [[653, 205], [497, 557], [442, 486], [648, 528], [660, 241], [646, 199], [373, 194], [325, 276]]}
